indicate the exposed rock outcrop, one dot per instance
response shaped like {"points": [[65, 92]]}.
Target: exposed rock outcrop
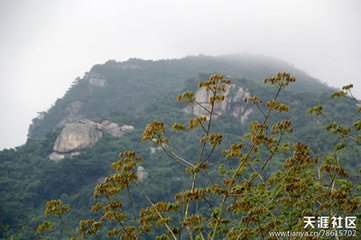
{"points": [[60, 156], [233, 103], [127, 128], [153, 150], [141, 174], [76, 136], [96, 79], [83, 134], [110, 128]]}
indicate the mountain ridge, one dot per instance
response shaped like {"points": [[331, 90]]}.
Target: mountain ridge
{"points": [[162, 77]]}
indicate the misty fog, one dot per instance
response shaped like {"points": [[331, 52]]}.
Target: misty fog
{"points": [[45, 45]]}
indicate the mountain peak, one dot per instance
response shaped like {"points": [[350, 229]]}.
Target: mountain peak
{"points": [[117, 88]]}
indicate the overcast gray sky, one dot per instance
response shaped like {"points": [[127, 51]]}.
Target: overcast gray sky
{"points": [[46, 44]]}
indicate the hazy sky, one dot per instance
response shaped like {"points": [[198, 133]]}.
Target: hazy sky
{"points": [[46, 44]]}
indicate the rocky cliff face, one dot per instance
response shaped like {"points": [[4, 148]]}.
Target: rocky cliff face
{"points": [[76, 136], [83, 134], [233, 103]]}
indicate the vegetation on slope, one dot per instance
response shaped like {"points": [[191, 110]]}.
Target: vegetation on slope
{"points": [[136, 96]]}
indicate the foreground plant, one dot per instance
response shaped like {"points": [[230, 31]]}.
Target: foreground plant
{"points": [[242, 201]]}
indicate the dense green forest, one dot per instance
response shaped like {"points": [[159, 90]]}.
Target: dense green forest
{"points": [[138, 92]]}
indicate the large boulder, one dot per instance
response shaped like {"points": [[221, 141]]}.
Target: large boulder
{"points": [[81, 134], [76, 136]]}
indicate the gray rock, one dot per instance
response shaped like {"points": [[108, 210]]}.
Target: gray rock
{"points": [[111, 128], [127, 128], [60, 156], [141, 174], [233, 103], [153, 150], [76, 136], [96, 79]]}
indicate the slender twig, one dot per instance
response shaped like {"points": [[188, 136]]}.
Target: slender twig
{"points": [[343, 135], [263, 166], [203, 127], [181, 159], [261, 110], [352, 97], [200, 104], [240, 166], [159, 214], [119, 222], [175, 157], [209, 155], [202, 150], [133, 211], [254, 170]]}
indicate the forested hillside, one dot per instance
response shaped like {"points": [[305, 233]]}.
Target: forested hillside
{"points": [[115, 101]]}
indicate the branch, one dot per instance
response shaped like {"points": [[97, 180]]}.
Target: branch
{"points": [[240, 166], [159, 214], [200, 104]]}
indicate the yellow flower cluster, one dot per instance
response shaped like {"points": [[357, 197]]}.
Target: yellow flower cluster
{"points": [[281, 80], [283, 125], [213, 139], [44, 227], [154, 132], [56, 208], [196, 122], [178, 127], [277, 106], [89, 226], [188, 97]]}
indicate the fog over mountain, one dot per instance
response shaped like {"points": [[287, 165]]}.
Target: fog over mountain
{"points": [[45, 45]]}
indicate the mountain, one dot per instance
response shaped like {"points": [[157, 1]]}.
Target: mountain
{"points": [[121, 88], [70, 147]]}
